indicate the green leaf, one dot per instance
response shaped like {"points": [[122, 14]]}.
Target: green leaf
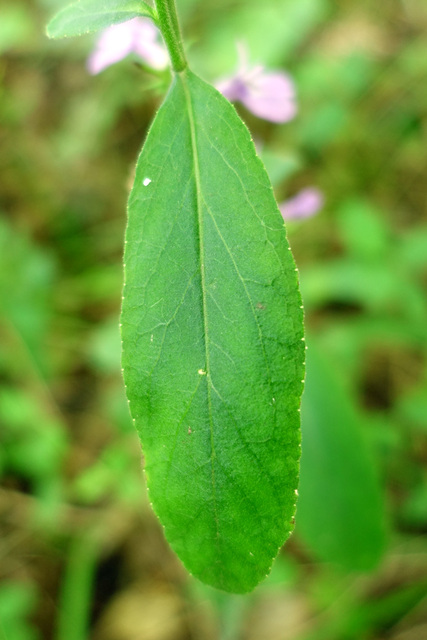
{"points": [[340, 509], [88, 16], [212, 330], [26, 307]]}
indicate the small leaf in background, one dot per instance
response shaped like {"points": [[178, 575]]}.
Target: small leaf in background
{"points": [[340, 513], [26, 308], [212, 332], [17, 603], [88, 16], [34, 441]]}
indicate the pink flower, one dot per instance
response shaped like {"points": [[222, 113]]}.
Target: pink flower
{"points": [[138, 36], [267, 94], [304, 204]]}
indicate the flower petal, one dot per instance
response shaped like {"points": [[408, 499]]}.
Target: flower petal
{"points": [[304, 204], [138, 36], [271, 96], [153, 53], [114, 44], [233, 88]]}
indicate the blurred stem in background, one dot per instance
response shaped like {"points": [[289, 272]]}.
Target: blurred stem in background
{"points": [[231, 610], [76, 600]]}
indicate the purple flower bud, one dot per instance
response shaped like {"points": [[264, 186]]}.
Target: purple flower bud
{"points": [[304, 204], [138, 36], [267, 94]]}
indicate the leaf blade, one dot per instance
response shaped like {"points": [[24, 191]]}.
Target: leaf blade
{"points": [[340, 512], [213, 359], [87, 16]]}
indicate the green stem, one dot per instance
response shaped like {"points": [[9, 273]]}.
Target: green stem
{"points": [[76, 590], [169, 26]]}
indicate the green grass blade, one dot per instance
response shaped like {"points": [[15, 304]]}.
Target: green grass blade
{"points": [[212, 330]]}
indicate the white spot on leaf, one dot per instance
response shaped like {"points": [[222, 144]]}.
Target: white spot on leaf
{"points": [[146, 182]]}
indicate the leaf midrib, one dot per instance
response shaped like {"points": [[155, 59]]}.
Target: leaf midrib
{"points": [[190, 110]]}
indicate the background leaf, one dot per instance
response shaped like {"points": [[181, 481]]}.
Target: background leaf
{"points": [[212, 337], [26, 309], [88, 16], [340, 510]]}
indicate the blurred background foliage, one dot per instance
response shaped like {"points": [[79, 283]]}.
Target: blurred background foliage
{"points": [[81, 554]]}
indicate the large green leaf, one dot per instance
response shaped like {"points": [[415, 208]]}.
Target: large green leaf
{"points": [[340, 509], [212, 330], [88, 16]]}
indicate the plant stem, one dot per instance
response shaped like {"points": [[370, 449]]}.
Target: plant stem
{"points": [[76, 591], [169, 26]]}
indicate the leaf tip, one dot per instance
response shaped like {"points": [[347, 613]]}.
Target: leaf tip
{"points": [[50, 34]]}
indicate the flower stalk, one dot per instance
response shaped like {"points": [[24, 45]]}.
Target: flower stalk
{"points": [[171, 32]]}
